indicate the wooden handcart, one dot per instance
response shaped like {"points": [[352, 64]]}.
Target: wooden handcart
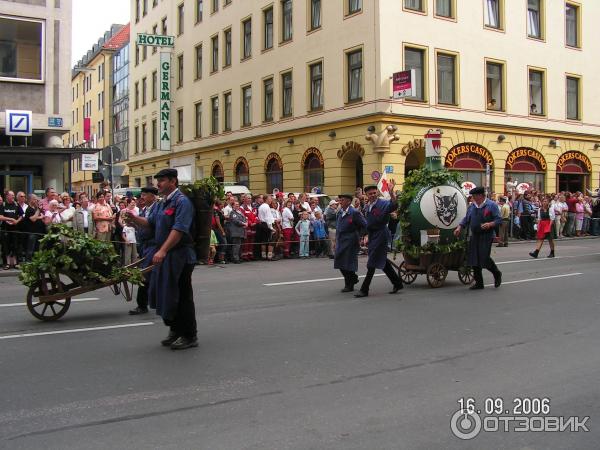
{"points": [[49, 299], [436, 266]]}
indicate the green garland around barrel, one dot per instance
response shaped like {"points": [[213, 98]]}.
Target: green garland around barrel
{"points": [[83, 259], [413, 184]]}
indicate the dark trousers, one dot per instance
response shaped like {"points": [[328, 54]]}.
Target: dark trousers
{"points": [[350, 278], [142, 297], [388, 270], [478, 271], [184, 323], [526, 227]]}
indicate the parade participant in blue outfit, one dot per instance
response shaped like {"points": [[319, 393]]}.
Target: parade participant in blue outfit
{"points": [[350, 224], [172, 252], [377, 213], [483, 216], [145, 237]]}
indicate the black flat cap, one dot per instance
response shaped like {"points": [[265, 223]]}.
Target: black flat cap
{"points": [[166, 173], [477, 191], [369, 188], [150, 190], [348, 196]]}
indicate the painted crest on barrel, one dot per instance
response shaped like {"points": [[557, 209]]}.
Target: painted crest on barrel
{"points": [[442, 206]]}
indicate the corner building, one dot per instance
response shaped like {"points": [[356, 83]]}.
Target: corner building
{"points": [[283, 94]]}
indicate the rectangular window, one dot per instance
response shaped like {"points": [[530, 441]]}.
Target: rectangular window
{"points": [[137, 95], [144, 53], [180, 71], [355, 68], [287, 95], [414, 58], [354, 6], [163, 26], [198, 73], [268, 100], [144, 138], [154, 131], [572, 25], [494, 86], [180, 19], [199, 10], [227, 116], [493, 13], [315, 14], [534, 19], [154, 31], [180, 125], [227, 55], [268, 28], [446, 73], [137, 54], [99, 102], [573, 106], [415, 5], [136, 139], [215, 53], [198, 121], [247, 38], [145, 8], [137, 11], [154, 85], [215, 6], [154, 3], [247, 106], [286, 20], [444, 8], [144, 90], [316, 86], [536, 93], [214, 107]]}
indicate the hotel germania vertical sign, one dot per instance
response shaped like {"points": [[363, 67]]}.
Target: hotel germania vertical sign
{"points": [[165, 101], [164, 111]]}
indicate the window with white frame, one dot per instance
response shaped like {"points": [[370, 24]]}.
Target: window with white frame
{"points": [[215, 53], [536, 92], [493, 13], [444, 8], [214, 107], [573, 107], [199, 10], [180, 19], [414, 59], [247, 106], [198, 62], [21, 44], [286, 20], [494, 86], [355, 69], [227, 50], [315, 14], [198, 121], [446, 79], [247, 38], [227, 115], [415, 5], [316, 86], [354, 6], [268, 100], [572, 24], [287, 94], [268, 28], [534, 20]]}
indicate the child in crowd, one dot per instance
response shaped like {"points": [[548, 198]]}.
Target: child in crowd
{"points": [[320, 234], [212, 252], [130, 254], [303, 228]]}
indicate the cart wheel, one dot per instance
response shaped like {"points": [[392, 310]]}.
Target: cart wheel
{"points": [[465, 275], [407, 276], [47, 311], [436, 274]]}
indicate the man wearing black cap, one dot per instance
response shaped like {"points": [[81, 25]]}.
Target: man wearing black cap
{"points": [[145, 238], [483, 216], [172, 253], [378, 212], [350, 225]]}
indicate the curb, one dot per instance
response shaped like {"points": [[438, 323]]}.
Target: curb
{"points": [[9, 273]]}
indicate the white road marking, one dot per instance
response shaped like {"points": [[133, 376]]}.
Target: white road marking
{"points": [[90, 299], [546, 259], [317, 280], [77, 330], [538, 279]]}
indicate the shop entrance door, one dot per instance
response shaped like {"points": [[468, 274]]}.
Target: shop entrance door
{"points": [[14, 180]]}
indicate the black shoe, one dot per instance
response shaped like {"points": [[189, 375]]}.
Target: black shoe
{"points": [[182, 343], [497, 279], [534, 254], [551, 255], [397, 288], [361, 294], [476, 287], [348, 289], [138, 310], [172, 337]]}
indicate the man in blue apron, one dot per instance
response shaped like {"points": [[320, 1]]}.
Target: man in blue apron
{"points": [[350, 224], [172, 253], [145, 237], [377, 212], [483, 216]]}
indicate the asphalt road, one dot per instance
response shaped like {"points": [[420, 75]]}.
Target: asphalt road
{"points": [[303, 366]]}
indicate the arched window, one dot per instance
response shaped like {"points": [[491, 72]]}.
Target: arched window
{"points": [[217, 171], [242, 172], [314, 170], [274, 172]]}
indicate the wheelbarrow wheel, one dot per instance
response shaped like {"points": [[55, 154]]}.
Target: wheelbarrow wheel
{"points": [[436, 275], [47, 311], [465, 275], [407, 276]]}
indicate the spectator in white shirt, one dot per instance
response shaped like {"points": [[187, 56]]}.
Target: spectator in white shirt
{"points": [[264, 228]]}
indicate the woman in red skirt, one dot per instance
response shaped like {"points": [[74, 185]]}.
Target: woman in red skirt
{"points": [[544, 228], [250, 213]]}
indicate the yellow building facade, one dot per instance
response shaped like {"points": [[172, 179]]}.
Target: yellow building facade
{"points": [[284, 94]]}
